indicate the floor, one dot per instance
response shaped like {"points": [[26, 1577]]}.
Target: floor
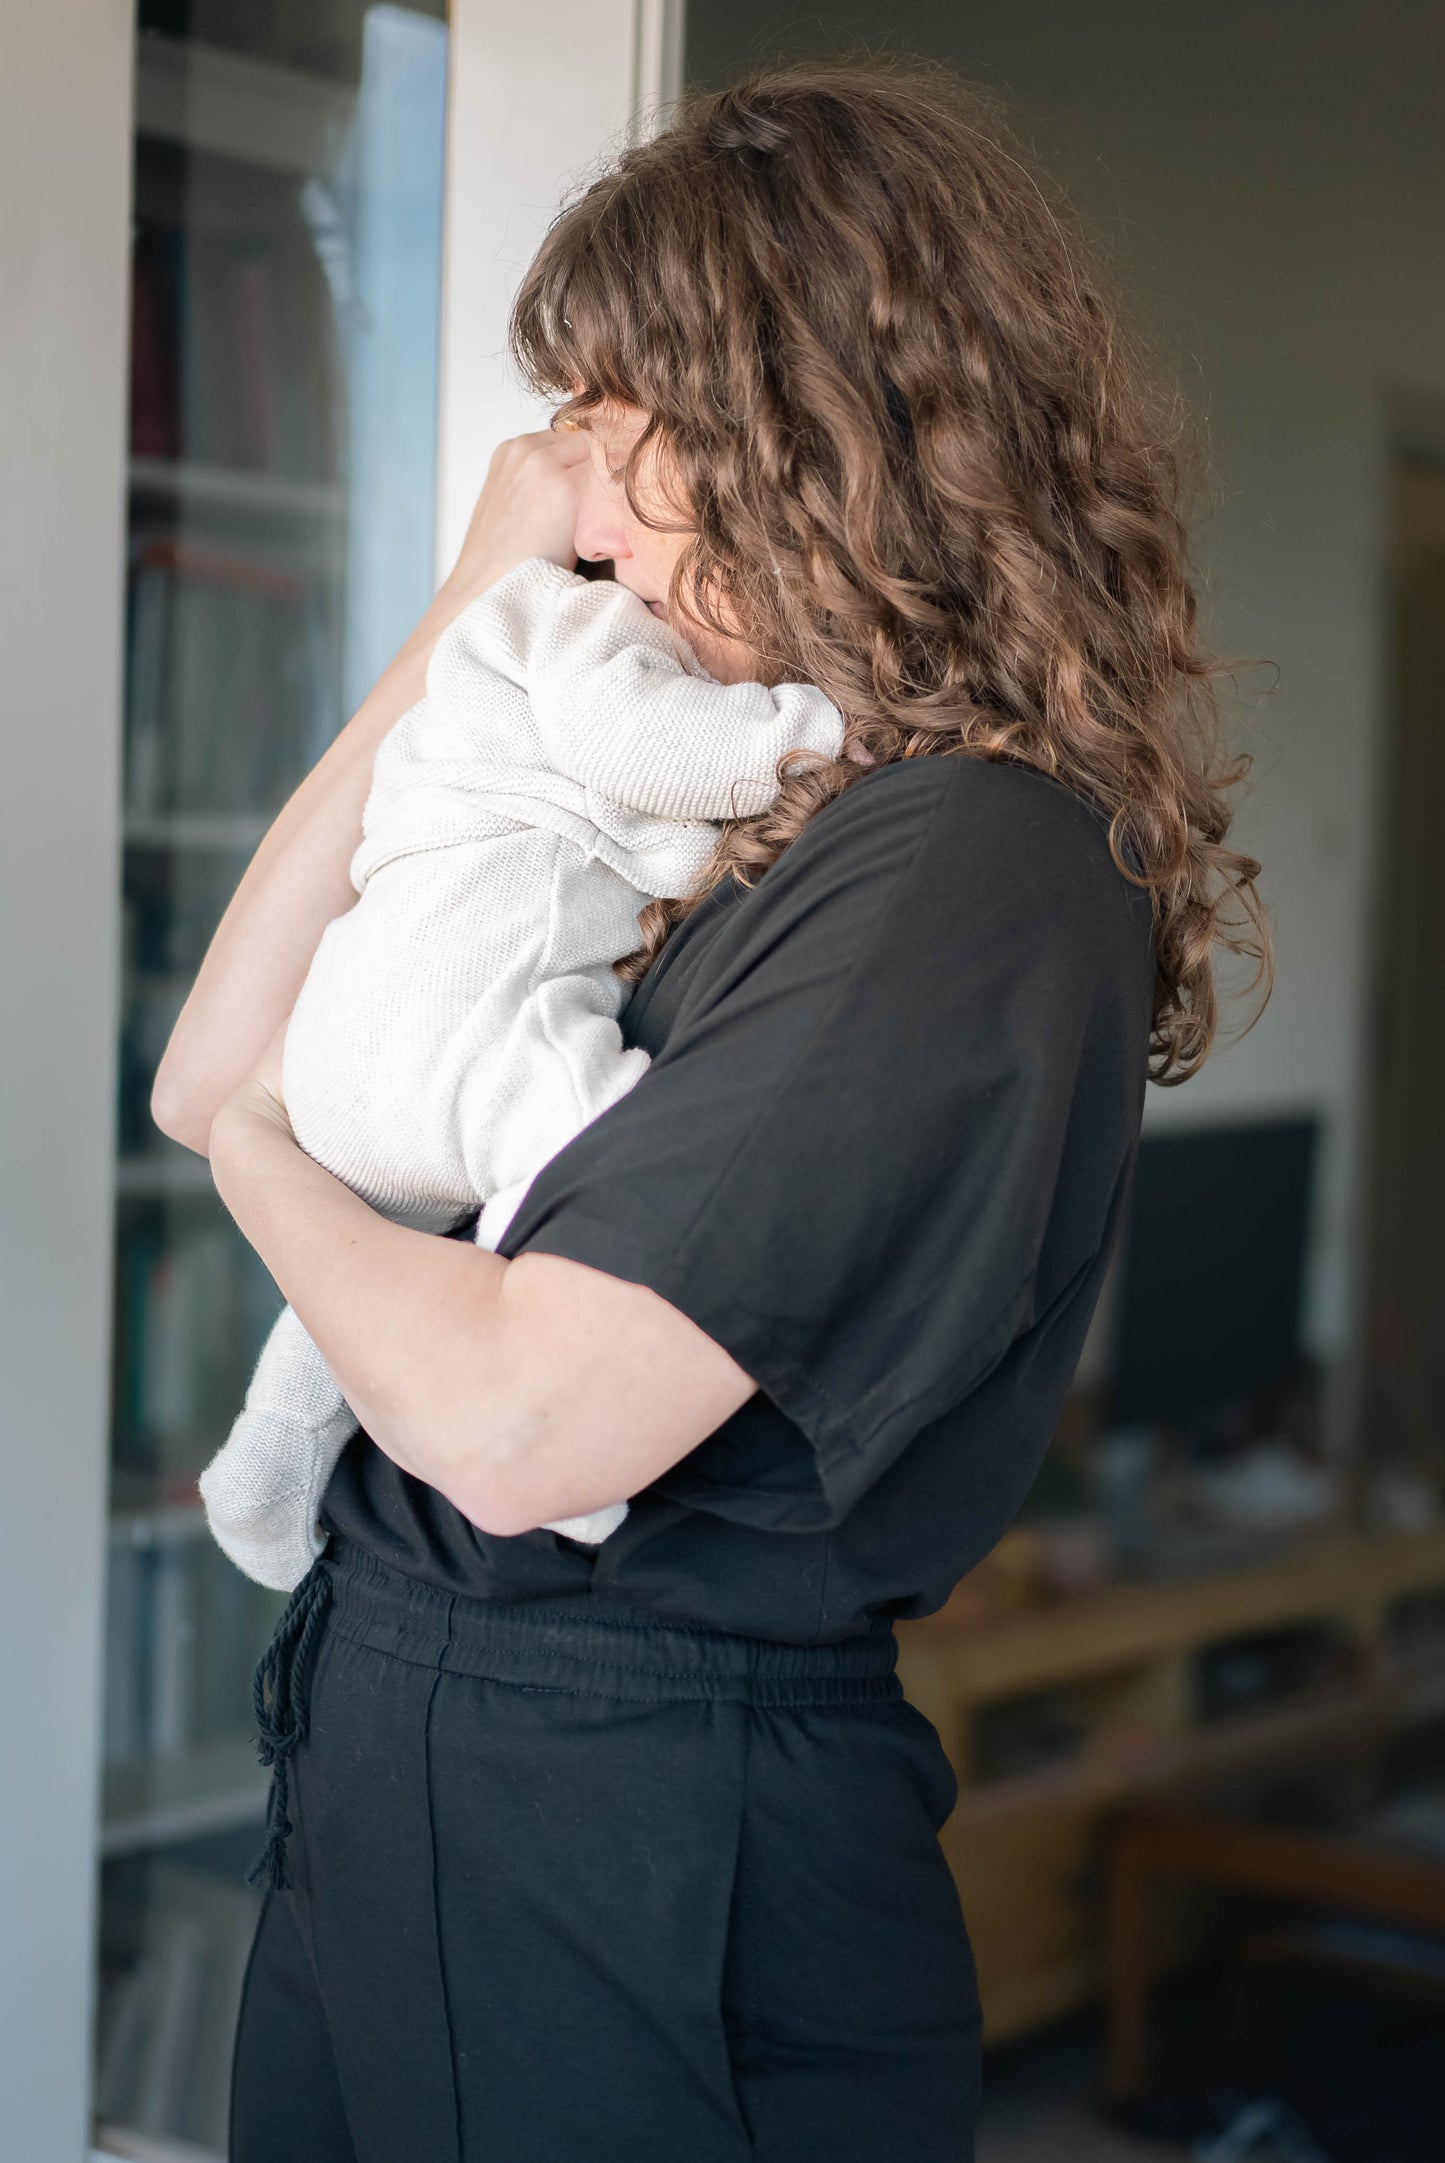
{"points": [[1353, 2077], [1036, 2106], [1070, 2133]]}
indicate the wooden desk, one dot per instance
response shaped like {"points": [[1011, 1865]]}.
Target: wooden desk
{"points": [[1151, 1845]]}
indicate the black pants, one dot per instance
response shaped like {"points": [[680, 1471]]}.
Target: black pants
{"points": [[570, 1886]]}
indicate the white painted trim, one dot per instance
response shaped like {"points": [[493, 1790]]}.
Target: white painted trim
{"points": [[533, 114], [122, 2147], [657, 51], [65, 156]]}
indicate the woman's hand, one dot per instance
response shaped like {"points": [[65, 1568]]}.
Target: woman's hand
{"points": [[528, 507]]}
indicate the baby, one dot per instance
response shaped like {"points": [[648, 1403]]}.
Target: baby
{"points": [[458, 1026]]}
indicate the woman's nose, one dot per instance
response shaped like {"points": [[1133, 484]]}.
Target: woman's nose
{"points": [[600, 532]]}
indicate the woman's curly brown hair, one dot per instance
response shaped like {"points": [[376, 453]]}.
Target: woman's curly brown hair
{"points": [[924, 466]]}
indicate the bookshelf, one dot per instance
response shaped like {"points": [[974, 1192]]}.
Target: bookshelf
{"points": [[221, 488], [209, 1789], [215, 830], [161, 1175], [283, 285], [256, 110]]}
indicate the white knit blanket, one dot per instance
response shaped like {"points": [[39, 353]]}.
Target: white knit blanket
{"points": [[458, 1026]]}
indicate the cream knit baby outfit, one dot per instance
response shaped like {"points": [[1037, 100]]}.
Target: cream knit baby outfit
{"points": [[458, 1026]]}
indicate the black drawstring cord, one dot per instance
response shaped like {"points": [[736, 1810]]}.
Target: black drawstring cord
{"points": [[282, 1722]]}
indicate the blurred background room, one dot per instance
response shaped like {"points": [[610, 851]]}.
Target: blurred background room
{"points": [[255, 266]]}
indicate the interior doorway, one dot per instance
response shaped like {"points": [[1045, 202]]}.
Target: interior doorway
{"points": [[1404, 1341]]}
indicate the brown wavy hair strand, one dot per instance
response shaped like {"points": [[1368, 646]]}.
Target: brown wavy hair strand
{"points": [[923, 463]]}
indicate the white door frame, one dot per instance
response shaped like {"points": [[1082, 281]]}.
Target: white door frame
{"points": [[536, 103], [65, 170]]}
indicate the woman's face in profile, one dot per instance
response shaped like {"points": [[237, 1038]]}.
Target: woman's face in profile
{"points": [[642, 556]]}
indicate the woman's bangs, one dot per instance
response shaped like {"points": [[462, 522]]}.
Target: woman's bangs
{"points": [[574, 323]]}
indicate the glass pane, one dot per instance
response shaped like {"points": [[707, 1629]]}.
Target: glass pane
{"points": [[285, 289]]}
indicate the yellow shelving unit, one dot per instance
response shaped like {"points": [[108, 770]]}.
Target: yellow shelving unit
{"points": [[1118, 1673]]}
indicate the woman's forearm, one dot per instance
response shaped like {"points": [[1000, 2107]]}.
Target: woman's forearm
{"points": [[380, 1301], [298, 880], [524, 1391]]}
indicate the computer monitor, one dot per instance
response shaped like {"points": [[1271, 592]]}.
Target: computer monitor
{"points": [[1212, 1269]]}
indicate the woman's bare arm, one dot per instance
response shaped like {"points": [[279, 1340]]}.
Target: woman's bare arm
{"points": [[295, 884], [522, 1390], [299, 878]]}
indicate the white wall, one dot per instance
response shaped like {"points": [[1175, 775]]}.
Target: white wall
{"points": [[1271, 182], [537, 105], [1273, 179], [65, 181]]}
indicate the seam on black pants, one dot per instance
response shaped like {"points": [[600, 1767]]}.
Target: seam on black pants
{"points": [[738, 1907], [436, 1907], [823, 1588], [753, 1965], [240, 2022]]}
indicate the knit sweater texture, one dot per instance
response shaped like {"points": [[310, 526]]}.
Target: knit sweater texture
{"points": [[570, 760]]}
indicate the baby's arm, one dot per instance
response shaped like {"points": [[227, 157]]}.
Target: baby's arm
{"points": [[618, 711]]}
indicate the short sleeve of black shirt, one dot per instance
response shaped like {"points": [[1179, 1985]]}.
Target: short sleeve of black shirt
{"points": [[878, 1156], [847, 1163]]}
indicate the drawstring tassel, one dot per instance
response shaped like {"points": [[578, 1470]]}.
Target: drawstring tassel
{"points": [[281, 1716]]}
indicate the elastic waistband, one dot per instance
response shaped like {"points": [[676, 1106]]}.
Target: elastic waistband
{"points": [[595, 1647]]}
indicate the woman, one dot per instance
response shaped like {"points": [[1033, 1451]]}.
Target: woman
{"points": [[630, 1853]]}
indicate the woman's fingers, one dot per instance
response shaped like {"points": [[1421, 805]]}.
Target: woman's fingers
{"points": [[528, 506]]}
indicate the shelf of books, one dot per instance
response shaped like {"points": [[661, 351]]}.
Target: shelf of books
{"points": [[285, 252]]}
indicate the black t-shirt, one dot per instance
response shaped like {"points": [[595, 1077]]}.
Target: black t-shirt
{"points": [[879, 1157]]}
